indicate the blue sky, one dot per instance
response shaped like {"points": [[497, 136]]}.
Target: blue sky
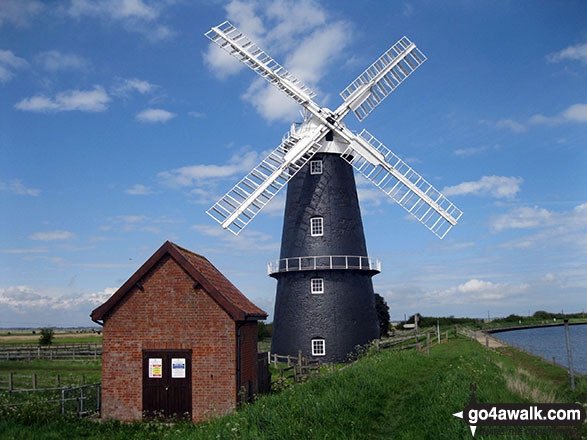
{"points": [[120, 126]]}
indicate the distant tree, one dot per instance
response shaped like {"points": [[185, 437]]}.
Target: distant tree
{"points": [[382, 314], [264, 330], [46, 337], [541, 314]]}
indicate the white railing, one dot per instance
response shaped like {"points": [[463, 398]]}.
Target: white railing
{"points": [[324, 262]]}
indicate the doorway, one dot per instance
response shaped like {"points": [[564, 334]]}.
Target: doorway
{"points": [[167, 383]]}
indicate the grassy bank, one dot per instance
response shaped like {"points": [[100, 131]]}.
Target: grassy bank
{"points": [[399, 395]]}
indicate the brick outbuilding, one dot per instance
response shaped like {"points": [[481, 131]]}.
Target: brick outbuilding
{"points": [[178, 338]]}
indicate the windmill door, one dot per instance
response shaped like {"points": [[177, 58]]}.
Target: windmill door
{"points": [[167, 388]]}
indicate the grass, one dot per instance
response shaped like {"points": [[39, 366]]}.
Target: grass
{"points": [[399, 395], [70, 372], [57, 340]]}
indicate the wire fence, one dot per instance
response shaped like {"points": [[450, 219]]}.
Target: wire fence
{"points": [[73, 352], [81, 400]]}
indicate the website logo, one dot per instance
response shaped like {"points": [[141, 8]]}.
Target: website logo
{"points": [[520, 414]]}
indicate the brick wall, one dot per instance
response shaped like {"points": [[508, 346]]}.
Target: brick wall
{"points": [[168, 314], [249, 355]]}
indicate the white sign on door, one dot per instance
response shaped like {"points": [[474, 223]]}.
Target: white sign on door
{"points": [[178, 368], [155, 368]]}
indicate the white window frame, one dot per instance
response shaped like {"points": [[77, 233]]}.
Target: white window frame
{"points": [[316, 167], [318, 347], [318, 230], [317, 285]]}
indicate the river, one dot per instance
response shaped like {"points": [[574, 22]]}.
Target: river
{"points": [[551, 341]]}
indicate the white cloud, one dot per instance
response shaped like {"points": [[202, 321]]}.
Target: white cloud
{"points": [[248, 240], [143, 223], [17, 187], [54, 61], [476, 290], [197, 115], [94, 100], [8, 64], [471, 151], [57, 235], [574, 113], [19, 12], [135, 15], [578, 52], [500, 187], [23, 299], [510, 124], [198, 174], [130, 85], [522, 218], [139, 190], [566, 227], [155, 115], [24, 251]]}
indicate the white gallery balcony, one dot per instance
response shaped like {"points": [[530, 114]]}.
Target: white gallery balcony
{"points": [[324, 262]]}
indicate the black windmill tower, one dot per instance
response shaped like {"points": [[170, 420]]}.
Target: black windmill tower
{"points": [[325, 303]]}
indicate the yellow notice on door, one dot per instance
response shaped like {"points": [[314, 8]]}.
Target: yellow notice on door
{"points": [[155, 368]]}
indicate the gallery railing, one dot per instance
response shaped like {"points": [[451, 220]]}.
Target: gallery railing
{"points": [[324, 262]]}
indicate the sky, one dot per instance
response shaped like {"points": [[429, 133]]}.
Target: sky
{"points": [[120, 125]]}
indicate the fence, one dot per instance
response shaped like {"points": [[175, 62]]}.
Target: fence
{"points": [[26, 382], [70, 351], [82, 400], [294, 369]]}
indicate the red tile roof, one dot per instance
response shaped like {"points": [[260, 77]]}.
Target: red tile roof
{"points": [[203, 272]]}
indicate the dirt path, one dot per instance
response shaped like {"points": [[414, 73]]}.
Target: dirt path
{"points": [[483, 338]]}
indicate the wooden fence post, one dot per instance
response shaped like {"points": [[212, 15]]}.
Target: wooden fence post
{"points": [[299, 358], [331, 367], [554, 360], [486, 341], [569, 353], [57, 380], [288, 360], [10, 381], [34, 381], [428, 343]]}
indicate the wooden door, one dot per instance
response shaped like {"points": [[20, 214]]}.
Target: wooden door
{"points": [[167, 383]]}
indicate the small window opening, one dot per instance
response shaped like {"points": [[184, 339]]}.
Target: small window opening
{"points": [[317, 285], [316, 226], [318, 347], [315, 167]]}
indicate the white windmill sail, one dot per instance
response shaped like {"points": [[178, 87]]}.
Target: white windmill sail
{"points": [[229, 38], [400, 182], [248, 197], [382, 77]]}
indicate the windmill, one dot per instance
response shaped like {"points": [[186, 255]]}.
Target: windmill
{"points": [[325, 302]]}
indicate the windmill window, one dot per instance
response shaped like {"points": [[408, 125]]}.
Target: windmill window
{"points": [[315, 167], [316, 226], [317, 285], [318, 347]]}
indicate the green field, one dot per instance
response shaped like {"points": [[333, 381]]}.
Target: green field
{"points": [[70, 373], [399, 395]]}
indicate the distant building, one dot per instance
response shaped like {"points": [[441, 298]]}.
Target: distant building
{"points": [[178, 338]]}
